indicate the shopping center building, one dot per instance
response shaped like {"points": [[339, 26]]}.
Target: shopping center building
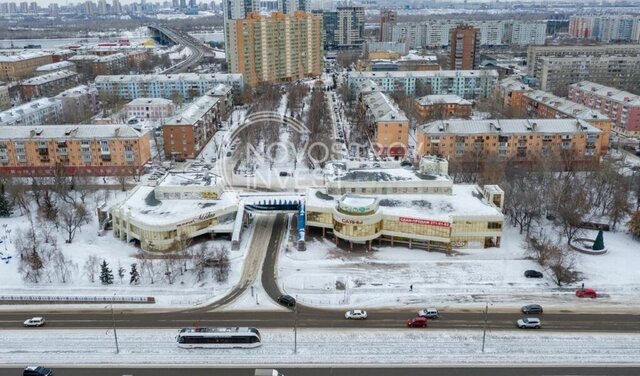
{"points": [[181, 207], [413, 207]]}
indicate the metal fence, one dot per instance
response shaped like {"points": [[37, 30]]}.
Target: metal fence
{"points": [[53, 299]]}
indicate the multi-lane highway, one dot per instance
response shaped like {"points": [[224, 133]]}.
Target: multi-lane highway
{"points": [[198, 49]]}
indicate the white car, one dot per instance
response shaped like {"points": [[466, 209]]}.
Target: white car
{"points": [[35, 321], [356, 314], [529, 323], [430, 313]]}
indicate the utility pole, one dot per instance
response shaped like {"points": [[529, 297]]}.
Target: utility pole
{"points": [[295, 329], [484, 331], [113, 318]]}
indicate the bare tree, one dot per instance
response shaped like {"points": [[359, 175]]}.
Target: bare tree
{"points": [[170, 263], [148, 267], [91, 267], [63, 266], [72, 217], [199, 262], [223, 265], [559, 261], [46, 229]]}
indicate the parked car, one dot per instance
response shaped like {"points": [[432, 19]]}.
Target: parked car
{"points": [[37, 371], [430, 313], [287, 300], [356, 314], [532, 308], [417, 322], [35, 321], [529, 323], [586, 293], [284, 173], [532, 274]]}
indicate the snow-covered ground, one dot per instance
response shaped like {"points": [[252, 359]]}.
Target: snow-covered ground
{"points": [[339, 346], [467, 279]]}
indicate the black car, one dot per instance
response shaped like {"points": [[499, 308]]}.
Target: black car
{"points": [[532, 308], [532, 274], [37, 371], [287, 300]]}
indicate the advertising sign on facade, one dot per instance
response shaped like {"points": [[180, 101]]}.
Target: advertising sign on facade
{"points": [[427, 222]]}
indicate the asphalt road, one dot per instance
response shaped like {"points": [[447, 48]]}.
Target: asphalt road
{"points": [[372, 371]]}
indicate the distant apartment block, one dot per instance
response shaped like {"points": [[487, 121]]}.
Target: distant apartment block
{"points": [[97, 150], [79, 104], [536, 53], [557, 73], [605, 28], [47, 85], [329, 27], [388, 125], [350, 30], [185, 134], [56, 67], [573, 143], [184, 85], [150, 108], [622, 107], [466, 84], [5, 98], [225, 94], [540, 104], [511, 91], [110, 64], [464, 44], [443, 107], [17, 67], [40, 111], [276, 48], [388, 18]]}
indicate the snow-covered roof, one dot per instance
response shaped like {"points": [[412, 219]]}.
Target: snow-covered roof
{"points": [[73, 131], [418, 74], [22, 56], [614, 94], [19, 112], [376, 174], [49, 77], [383, 108], [144, 207], [61, 65], [170, 77], [194, 112], [149, 102], [84, 58], [220, 90], [368, 86], [565, 106], [508, 126], [428, 100], [465, 200], [513, 83], [193, 179], [77, 91], [110, 58]]}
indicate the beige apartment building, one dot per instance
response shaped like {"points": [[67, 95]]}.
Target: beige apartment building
{"points": [[276, 48], [95, 150], [17, 67], [388, 124], [574, 143]]}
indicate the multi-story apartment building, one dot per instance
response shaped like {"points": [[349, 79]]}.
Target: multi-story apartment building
{"points": [[47, 85], [225, 94], [388, 18], [5, 97], [573, 143], [443, 107], [110, 64], [238, 9], [436, 33], [17, 67], [97, 150], [540, 104], [184, 85], [350, 30], [557, 73], [464, 45], [150, 108], [467, 84], [605, 28], [275, 48], [536, 53], [79, 104], [55, 67], [511, 91], [387, 123], [40, 111], [329, 27], [622, 107], [185, 134], [290, 7]]}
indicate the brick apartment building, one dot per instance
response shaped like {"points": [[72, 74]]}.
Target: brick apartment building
{"points": [[48, 85], [185, 134], [17, 67], [443, 107], [388, 124]]}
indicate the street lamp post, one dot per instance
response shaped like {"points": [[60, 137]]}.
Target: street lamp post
{"points": [[113, 318], [484, 330]]}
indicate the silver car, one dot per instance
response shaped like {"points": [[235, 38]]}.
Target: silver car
{"points": [[529, 323]]}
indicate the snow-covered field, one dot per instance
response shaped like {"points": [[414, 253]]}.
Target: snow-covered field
{"points": [[469, 278], [340, 346]]}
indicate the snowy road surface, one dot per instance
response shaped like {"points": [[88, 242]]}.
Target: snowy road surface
{"points": [[406, 346]]}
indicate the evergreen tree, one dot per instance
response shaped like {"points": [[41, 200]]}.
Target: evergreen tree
{"points": [[135, 276], [106, 275], [5, 206], [598, 245]]}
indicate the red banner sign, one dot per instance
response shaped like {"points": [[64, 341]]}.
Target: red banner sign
{"points": [[427, 222]]}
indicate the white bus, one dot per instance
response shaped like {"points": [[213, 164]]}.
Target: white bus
{"points": [[218, 338]]}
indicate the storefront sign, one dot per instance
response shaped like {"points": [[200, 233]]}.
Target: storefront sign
{"points": [[353, 209], [427, 222], [351, 221], [459, 244], [209, 195], [200, 218]]}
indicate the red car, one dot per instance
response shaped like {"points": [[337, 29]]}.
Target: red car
{"points": [[586, 293], [417, 322]]}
